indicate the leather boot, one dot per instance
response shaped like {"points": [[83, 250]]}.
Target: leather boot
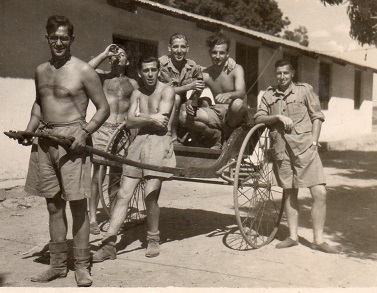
{"points": [[58, 263], [82, 266], [153, 248], [107, 250]]}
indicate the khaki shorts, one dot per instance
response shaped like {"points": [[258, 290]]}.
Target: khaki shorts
{"points": [[150, 149], [54, 171], [216, 115], [102, 136], [304, 170]]}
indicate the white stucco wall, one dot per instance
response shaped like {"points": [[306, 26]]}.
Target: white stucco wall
{"points": [[342, 120]]}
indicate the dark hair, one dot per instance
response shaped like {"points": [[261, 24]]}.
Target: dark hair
{"points": [[177, 36], [126, 50], [283, 62], [147, 59], [217, 39], [56, 21]]}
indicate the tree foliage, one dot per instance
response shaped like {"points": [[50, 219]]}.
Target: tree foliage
{"points": [[363, 17], [260, 15], [298, 35]]}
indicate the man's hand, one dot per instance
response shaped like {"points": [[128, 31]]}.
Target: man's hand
{"points": [[197, 85], [231, 64], [223, 98], [109, 53], [287, 122], [24, 139], [160, 120], [314, 148], [80, 141], [189, 109]]}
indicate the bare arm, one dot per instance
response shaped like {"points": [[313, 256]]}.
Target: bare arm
{"points": [[94, 91], [167, 101], [96, 61], [159, 119], [36, 113], [271, 119], [239, 88], [316, 129], [35, 116]]}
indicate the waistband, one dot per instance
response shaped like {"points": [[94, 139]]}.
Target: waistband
{"points": [[45, 124], [162, 132], [108, 124]]}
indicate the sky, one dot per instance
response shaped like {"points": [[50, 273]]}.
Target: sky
{"points": [[328, 29]]}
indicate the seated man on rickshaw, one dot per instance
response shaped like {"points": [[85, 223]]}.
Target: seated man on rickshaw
{"points": [[214, 124]]}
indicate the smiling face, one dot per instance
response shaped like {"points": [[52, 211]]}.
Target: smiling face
{"points": [[149, 73], [219, 54], [178, 49], [284, 75], [60, 42]]}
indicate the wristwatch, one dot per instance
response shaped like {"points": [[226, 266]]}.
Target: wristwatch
{"points": [[86, 131]]}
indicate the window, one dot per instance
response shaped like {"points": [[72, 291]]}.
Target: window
{"points": [[357, 90], [136, 49], [324, 84], [247, 57]]}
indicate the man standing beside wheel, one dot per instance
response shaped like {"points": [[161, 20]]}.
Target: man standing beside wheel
{"points": [[118, 89], [151, 106], [293, 113], [64, 87]]}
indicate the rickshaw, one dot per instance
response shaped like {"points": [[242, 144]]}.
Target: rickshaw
{"points": [[244, 161]]}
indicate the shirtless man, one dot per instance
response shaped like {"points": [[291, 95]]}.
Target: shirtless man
{"points": [[228, 88], [64, 86], [118, 89], [151, 106]]}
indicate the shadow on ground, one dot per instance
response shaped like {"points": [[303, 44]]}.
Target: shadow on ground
{"points": [[178, 224], [351, 210]]}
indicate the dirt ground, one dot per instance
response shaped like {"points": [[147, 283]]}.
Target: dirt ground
{"points": [[197, 249]]}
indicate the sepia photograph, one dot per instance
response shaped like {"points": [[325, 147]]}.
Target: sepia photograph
{"points": [[188, 145]]}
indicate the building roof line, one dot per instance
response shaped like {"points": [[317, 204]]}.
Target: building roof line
{"points": [[267, 39]]}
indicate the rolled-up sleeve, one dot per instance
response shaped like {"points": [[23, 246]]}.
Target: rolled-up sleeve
{"points": [[263, 108], [313, 105]]}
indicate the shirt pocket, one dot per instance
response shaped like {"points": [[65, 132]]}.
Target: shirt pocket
{"points": [[304, 126]]}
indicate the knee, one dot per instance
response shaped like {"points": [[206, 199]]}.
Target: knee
{"points": [[237, 106], [177, 100], [55, 212], [182, 114], [123, 194], [319, 194]]}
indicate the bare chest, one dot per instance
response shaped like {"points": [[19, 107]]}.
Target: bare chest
{"points": [[220, 83], [62, 83], [119, 87], [149, 104]]}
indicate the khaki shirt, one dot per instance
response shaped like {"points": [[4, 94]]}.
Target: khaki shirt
{"points": [[301, 104], [170, 75]]}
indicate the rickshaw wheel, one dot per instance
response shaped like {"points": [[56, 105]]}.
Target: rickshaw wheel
{"points": [[258, 203], [110, 177]]}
